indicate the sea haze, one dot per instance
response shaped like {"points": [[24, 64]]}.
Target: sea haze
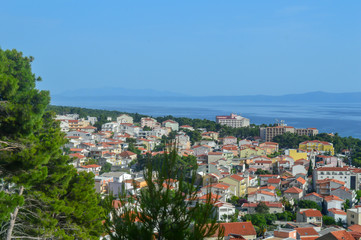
{"points": [[328, 112]]}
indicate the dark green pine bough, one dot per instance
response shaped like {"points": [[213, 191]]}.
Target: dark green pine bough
{"points": [[41, 195]]}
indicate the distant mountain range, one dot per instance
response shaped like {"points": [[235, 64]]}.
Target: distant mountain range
{"points": [[123, 94]]}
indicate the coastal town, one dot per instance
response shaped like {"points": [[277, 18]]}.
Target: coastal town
{"points": [[258, 188]]}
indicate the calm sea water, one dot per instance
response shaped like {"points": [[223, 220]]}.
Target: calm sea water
{"points": [[344, 119]]}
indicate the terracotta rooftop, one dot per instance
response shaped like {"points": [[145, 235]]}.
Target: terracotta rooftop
{"points": [[312, 213], [293, 190]]}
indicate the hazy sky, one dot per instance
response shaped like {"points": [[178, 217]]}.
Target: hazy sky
{"points": [[195, 47]]}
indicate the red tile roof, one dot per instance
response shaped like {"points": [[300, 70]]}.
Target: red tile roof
{"points": [[337, 211], [91, 166], [355, 228], [293, 190], [342, 235], [332, 198], [274, 180], [307, 231], [237, 177], [240, 228], [301, 180], [312, 213]]}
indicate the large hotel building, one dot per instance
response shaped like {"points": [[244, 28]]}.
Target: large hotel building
{"points": [[268, 133], [233, 120]]}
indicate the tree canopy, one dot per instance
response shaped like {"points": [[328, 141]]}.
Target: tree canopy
{"points": [[41, 194]]}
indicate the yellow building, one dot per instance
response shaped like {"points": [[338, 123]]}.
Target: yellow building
{"points": [[238, 184], [297, 155], [318, 146], [251, 151]]}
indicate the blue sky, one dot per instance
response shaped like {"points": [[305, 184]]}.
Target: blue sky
{"points": [[194, 47]]}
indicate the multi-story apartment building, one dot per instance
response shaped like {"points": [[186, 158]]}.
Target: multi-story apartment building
{"points": [[148, 122], [124, 118], [171, 124], [233, 120], [316, 145], [268, 133], [350, 176]]}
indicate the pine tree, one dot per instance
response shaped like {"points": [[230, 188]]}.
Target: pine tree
{"points": [[41, 195], [160, 211]]}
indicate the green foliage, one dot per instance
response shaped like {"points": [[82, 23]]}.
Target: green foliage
{"points": [[262, 208], [262, 172], [358, 194], [327, 220], [260, 220], [170, 215], [195, 136], [346, 205], [286, 216], [42, 194], [309, 204], [106, 168]]}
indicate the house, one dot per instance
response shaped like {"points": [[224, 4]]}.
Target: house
{"points": [[201, 150], [237, 229], [343, 174], [310, 216], [262, 164], [250, 150], [300, 183], [210, 179], [344, 193], [332, 202], [224, 211], [317, 145], [285, 233], [337, 214], [317, 198], [338, 235], [230, 140], [324, 186], [274, 207], [210, 135], [265, 177], [269, 147], [215, 156], [237, 183], [148, 122], [171, 124], [275, 182], [262, 196], [298, 169], [354, 216], [94, 168], [306, 233], [293, 193], [125, 118], [111, 127], [128, 155], [221, 189]]}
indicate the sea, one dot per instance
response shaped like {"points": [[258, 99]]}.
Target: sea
{"points": [[343, 118]]}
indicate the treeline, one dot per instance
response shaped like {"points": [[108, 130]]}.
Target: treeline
{"points": [[290, 140]]}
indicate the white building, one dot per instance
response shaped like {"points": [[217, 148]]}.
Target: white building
{"points": [[233, 120], [124, 118], [111, 127], [344, 174]]}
